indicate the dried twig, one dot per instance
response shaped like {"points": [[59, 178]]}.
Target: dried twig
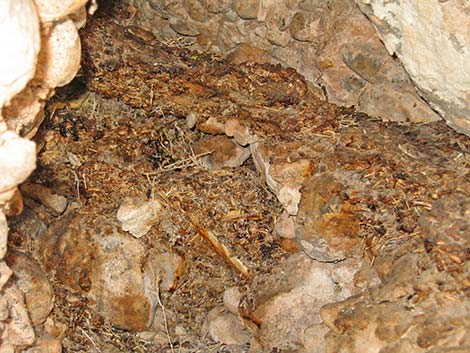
{"points": [[220, 248]]}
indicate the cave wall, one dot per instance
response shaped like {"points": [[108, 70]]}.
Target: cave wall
{"points": [[335, 46]]}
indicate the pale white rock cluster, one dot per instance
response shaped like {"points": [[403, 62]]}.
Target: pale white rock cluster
{"points": [[40, 51], [432, 40]]}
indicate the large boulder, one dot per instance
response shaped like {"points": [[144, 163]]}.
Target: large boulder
{"points": [[432, 40]]}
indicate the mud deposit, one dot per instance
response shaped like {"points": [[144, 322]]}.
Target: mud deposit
{"points": [[253, 217]]}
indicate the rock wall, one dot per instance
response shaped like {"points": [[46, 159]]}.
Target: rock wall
{"points": [[432, 40], [40, 51], [330, 42]]}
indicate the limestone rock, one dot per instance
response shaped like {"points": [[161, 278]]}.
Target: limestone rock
{"points": [[288, 301], [232, 298], [5, 273], [225, 328], [138, 216], [45, 344], [57, 203], [106, 265], [395, 103], [285, 226], [59, 59], [285, 177], [18, 160], [57, 9], [20, 42], [221, 152], [247, 9], [168, 268], [34, 283], [3, 240], [440, 67], [17, 331]]}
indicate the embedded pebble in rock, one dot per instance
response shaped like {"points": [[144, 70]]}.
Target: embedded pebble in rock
{"points": [[221, 152], [225, 328], [247, 9], [280, 306], [44, 195], [138, 216], [232, 298], [33, 282], [314, 339]]}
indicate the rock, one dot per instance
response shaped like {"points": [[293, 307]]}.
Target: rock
{"points": [[55, 10], [285, 177], [395, 103], [5, 274], [232, 298], [45, 344], [14, 207], [314, 339], [169, 268], [285, 226], [244, 52], [20, 40], [439, 68], [59, 59], [195, 10], [247, 9], [327, 226], [216, 6], [105, 265], [17, 331], [282, 305], [221, 152], [138, 216], [55, 328], [18, 160], [211, 125], [130, 302], [44, 195], [33, 282], [185, 27], [225, 328], [3, 238], [236, 129]]}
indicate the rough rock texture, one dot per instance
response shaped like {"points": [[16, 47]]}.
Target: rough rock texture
{"points": [[36, 57], [281, 306], [432, 40], [93, 257], [330, 42]]}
